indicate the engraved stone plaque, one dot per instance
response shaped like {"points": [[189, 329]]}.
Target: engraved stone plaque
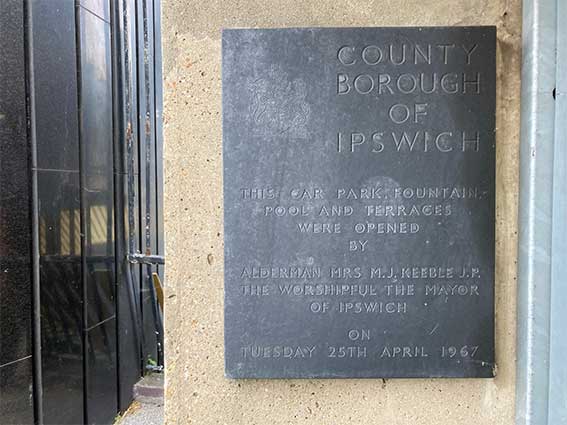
{"points": [[359, 168]]}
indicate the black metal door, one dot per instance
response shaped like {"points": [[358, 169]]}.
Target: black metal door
{"points": [[81, 178]]}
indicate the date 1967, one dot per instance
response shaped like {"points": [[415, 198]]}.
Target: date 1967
{"points": [[360, 351]]}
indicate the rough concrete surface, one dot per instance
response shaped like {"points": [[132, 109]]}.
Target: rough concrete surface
{"points": [[146, 411], [196, 390], [148, 405]]}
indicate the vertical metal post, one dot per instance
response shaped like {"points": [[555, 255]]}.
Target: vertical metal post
{"points": [[118, 131], [558, 334], [158, 104], [539, 219], [36, 290], [83, 217]]}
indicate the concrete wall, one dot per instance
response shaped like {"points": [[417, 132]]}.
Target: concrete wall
{"points": [[197, 392]]}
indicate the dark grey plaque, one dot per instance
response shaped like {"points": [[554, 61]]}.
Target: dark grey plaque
{"points": [[359, 202]]}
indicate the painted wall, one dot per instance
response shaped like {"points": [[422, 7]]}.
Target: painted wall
{"points": [[196, 390]]}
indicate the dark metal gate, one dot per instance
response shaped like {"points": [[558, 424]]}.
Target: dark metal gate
{"points": [[80, 206]]}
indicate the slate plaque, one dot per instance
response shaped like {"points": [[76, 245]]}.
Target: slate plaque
{"points": [[359, 168]]}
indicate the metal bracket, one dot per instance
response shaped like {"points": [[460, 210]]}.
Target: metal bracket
{"points": [[139, 258]]}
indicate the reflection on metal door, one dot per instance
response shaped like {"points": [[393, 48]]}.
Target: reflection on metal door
{"points": [[80, 207]]}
